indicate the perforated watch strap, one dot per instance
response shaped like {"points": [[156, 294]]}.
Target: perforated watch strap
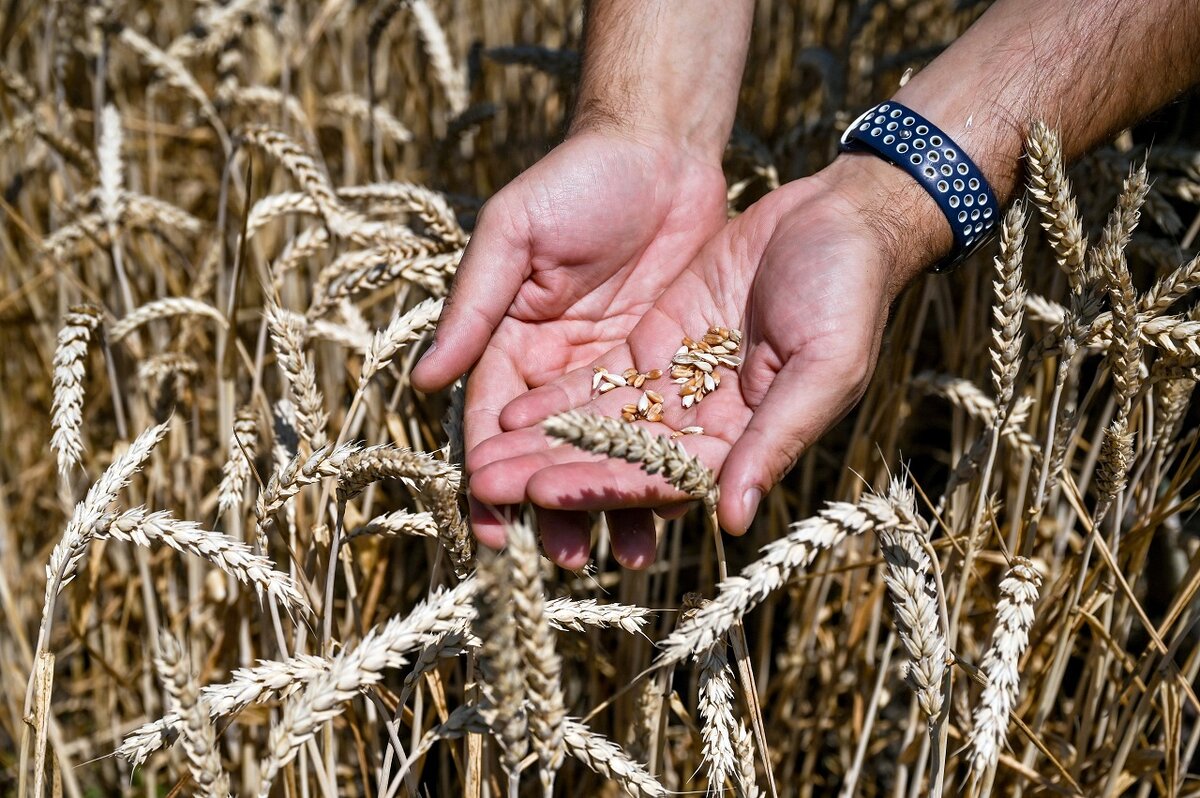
{"points": [[911, 142]]}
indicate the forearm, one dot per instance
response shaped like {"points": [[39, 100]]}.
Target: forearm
{"points": [[1086, 67], [664, 68]]}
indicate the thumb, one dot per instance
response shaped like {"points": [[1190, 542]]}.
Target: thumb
{"points": [[494, 266], [804, 400]]}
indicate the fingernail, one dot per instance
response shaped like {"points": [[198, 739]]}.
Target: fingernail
{"points": [[750, 500], [428, 352]]}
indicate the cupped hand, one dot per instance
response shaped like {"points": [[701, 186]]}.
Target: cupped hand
{"points": [[808, 273], [563, 262]]}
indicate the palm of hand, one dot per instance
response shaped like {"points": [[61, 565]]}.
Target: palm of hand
{"points": [[606, 229], [800, 276], [577, 250]]}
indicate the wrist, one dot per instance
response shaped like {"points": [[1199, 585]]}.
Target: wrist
{"points": [[696, 139], [909, 229]]}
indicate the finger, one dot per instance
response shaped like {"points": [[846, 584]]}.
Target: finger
{"points": [[488, 520], [566, 537], [672, 511], [492, 385], [573, 389], [633, 536], [494, 266], [804, 400]]}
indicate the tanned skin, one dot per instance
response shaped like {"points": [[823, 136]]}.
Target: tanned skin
{"points": [[614, 247]]}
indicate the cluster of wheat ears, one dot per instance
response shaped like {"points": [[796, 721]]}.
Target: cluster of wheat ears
{"points": [[228, 230]]}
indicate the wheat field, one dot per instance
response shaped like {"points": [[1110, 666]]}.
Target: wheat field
{"points": [[234, 554]]}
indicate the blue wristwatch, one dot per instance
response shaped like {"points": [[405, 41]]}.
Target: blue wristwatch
{"points": [[908, 140]]}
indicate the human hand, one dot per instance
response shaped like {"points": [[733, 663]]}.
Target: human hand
{"points": [[562, 264], [808, 273]]}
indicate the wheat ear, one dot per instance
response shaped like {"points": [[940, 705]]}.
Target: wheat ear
{"points": [[243, 446], [613, 437], [780, 559], [265, 681], [230, 555], [404, 328], [1014, 618], [1008, 311], [1171, 287], [162, 309], [500, 663], [909, 576], [70, 353], [716, 712], [451, 78], [287, 337], [355, 669], [1051, 192], [606, 758], [199, 737], [542, 665]]}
